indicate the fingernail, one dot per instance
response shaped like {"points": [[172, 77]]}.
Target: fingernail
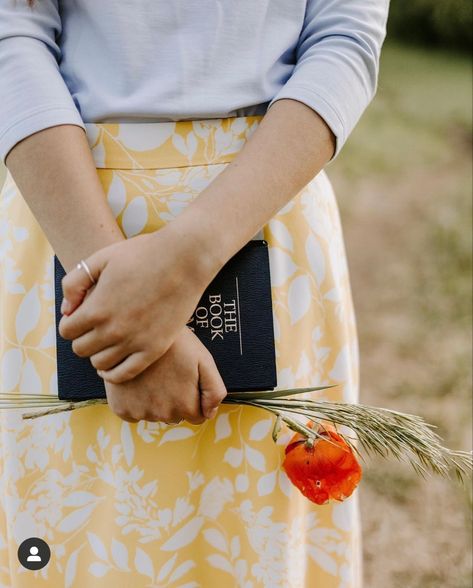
{"points": [[211, 414], [65, 306]]}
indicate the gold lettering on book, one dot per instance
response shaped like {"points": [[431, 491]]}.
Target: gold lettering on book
{"points": [[219, 317]]}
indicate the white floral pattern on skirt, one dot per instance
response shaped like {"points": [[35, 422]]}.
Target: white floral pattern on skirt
{"points": [[188, 506]]}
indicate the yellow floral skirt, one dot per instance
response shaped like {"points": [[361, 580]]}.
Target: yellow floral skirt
{"points": [[155, 505]]}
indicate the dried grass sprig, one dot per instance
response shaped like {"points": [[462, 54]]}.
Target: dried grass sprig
{"points": [[379, 431]]}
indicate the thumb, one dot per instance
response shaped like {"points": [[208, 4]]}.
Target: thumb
{"points": [[77, 282], [212, 387]]}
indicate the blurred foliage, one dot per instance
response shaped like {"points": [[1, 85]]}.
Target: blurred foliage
{"points": [[421, 115], [403, 182], [439, 22]]}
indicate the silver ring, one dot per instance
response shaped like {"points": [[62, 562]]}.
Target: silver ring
{"points": [[82, 264]]}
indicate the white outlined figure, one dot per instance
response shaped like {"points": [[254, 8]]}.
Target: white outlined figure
{"points": [[33, 554]]}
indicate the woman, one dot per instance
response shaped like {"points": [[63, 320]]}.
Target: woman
{"points": [[153, 140]]}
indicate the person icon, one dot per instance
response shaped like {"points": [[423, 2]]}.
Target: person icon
{"points": [[33, 554]]}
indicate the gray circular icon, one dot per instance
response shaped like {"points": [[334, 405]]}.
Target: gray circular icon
{"points": [[34, 553]]}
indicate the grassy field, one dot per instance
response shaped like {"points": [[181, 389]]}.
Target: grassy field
{"points": [[404, 188]]}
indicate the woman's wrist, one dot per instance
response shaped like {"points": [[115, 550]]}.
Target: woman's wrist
{"points": [[196, 250], [55, 172], [290, 146]]}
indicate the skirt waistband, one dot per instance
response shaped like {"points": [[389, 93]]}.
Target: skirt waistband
{"points": [[156, 144]]}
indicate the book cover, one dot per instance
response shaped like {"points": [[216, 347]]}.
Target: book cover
{"points": [[233, 319]]}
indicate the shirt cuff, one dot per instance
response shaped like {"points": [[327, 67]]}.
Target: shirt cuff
{"points": [[321, 105], [34, 121]]}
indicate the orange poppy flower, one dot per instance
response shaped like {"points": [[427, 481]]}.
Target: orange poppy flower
{"points": [[322, 471]]}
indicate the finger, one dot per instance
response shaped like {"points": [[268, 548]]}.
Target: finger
{"points": [[211, 385], [77, 281], [95, 344], [82, 345], [108, 358], [120, 404], [133, 365], [129, 419], [126, 416], [191, 411], [80, 322]]}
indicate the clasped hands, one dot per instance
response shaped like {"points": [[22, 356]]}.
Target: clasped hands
{"points": [[132, 326]]}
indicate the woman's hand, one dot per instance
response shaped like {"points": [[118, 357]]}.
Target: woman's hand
{"points": [[168, 390], [147, 288]]}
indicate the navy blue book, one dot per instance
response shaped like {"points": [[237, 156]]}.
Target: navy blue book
{"points": [[233, 319]]}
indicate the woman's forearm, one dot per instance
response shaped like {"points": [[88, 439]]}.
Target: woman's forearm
{"points": [[56, 174], [290, 146]]}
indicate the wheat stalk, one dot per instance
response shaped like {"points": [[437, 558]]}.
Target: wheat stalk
{"points": [[379, 430]]}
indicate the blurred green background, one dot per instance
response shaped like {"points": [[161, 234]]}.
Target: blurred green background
{"points": [[446, 23], [404, 187], [403, 183]]}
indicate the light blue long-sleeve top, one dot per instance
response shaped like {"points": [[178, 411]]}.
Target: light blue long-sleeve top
{"points": [[77, 61]]}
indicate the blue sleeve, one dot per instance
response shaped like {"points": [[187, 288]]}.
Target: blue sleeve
{"points": [[337, 61], [33, 93]]}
